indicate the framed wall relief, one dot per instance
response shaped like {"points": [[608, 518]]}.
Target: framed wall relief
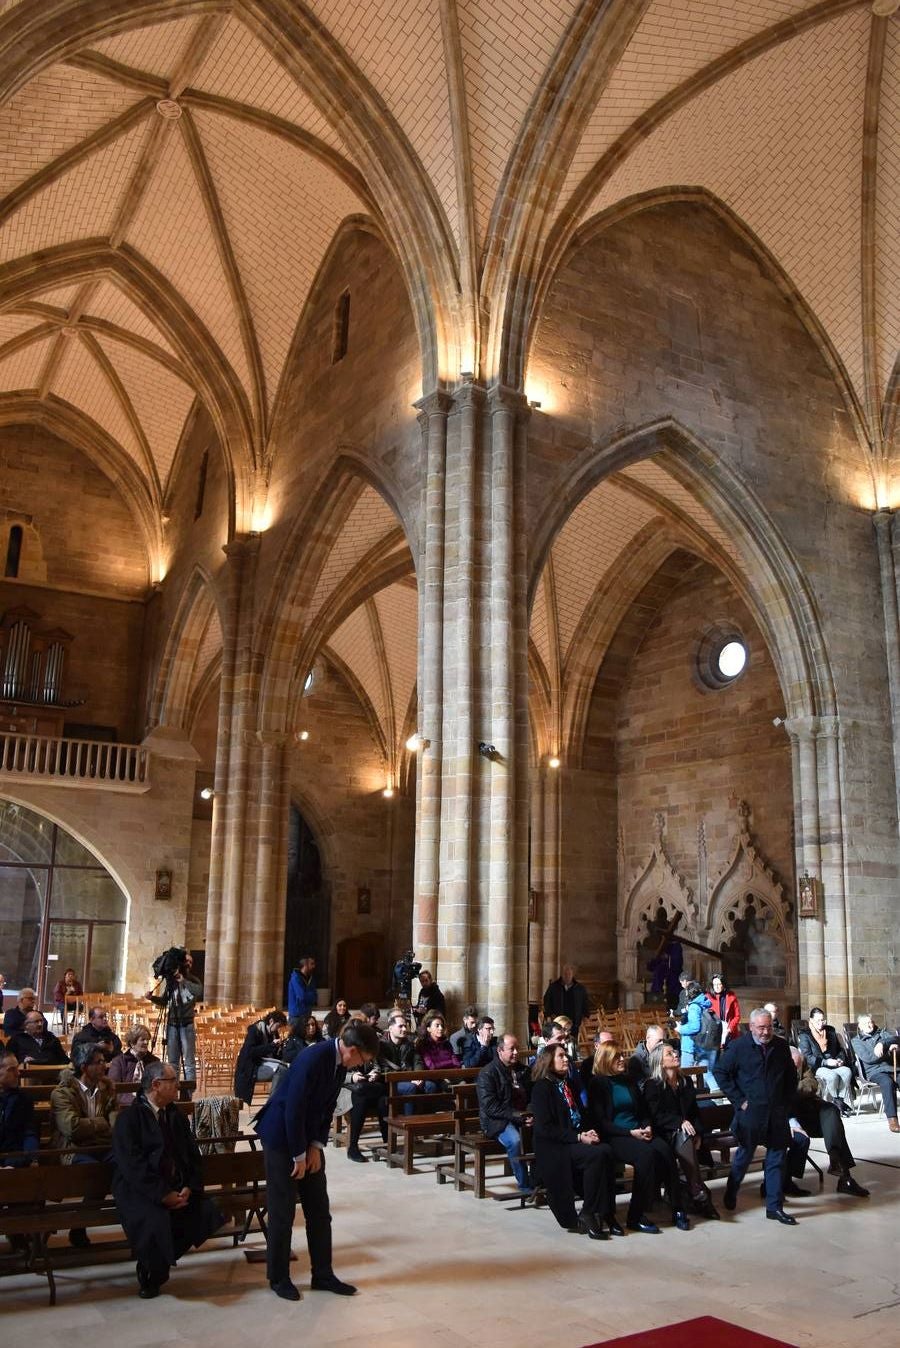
{"points": [[163, 885], [363, 900], [807, 895]]}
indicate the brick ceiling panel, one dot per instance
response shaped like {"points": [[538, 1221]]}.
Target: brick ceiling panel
{"points": [[887, 252], [161, 400], [353, 643], [172, 230], [256, 174], [13, 325], [675, 39], [113, 305], [239, 67], [780, 142], [370, 519], [398, 611], [60, 298], [210, 648], [80, 381], [52, 113], [22, 370], [539, 629], [588, 546], [154, 49], [80, 204], [397, 45], [654, 478], [506, 49]]}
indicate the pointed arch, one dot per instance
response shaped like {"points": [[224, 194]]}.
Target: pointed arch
{"points": [[170, 703]]}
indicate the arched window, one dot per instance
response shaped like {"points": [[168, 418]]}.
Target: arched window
{"points": [[201, 484], [13, 552], [341, 328]]}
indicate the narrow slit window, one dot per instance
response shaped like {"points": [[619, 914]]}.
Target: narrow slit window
{"points": [[341, 328], [13, 552], [201, 485]]}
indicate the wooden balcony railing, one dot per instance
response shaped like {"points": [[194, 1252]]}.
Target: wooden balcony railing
{"points": [[65, 762]]}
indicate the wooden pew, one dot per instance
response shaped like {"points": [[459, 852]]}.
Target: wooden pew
{"points": [[469, 1142], [438, 1123]]}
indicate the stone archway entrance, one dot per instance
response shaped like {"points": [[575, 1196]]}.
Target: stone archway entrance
{"points": [[307, 928]]}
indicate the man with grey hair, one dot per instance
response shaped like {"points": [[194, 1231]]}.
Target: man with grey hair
{"points": [[876, 1050], [758, 1076], [14, 1020], [84, 1108], [157, 1180]]}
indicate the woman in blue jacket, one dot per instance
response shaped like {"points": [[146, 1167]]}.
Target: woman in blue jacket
{"points": [[692, 1053]]}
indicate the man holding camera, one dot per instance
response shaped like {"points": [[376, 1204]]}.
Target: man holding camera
{"points": [[183, 992]]}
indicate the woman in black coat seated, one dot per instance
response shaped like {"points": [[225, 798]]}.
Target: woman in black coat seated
{"points": [[336, 1019], [564, 1148], [675, 1115], [618, 1112]]}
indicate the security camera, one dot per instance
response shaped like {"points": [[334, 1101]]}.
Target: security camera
{"points": [[488, 750]]}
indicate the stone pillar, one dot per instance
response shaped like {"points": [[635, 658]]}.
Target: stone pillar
{"points": [[837, 933], [886, 536], [803, 731], [267, 895], [237, 718]]}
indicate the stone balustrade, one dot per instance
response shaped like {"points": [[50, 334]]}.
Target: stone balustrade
{"points": [[69, 762]]}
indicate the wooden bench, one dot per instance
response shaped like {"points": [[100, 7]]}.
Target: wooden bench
{"points": [[41, 1200], [469, 1142], [439, 1123], [717, 1115]]}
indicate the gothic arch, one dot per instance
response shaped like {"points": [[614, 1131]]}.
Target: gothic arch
{"points": [[175, 677], [655, 883]]}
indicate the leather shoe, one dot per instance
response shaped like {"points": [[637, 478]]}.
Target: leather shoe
{"points": [[354, 1154], [592, 1227], [894, 1125], [779, 1215], [711, 1211], [730, 1196], [848, 1185], [794, 1191], [331, 1283], [148, 1291], [286, 1290], [615, 1228], [845, 1109], [79, 1238], [681, 1220], [648, 1228]]}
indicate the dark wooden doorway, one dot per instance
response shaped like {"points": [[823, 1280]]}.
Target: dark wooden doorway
{"points": [[307, 928]]}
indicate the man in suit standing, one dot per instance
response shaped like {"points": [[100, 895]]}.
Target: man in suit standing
{"points": [[758, 1076], [293, 1127]]}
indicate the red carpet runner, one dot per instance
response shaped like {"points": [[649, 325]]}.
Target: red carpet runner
{"points": [[707, 1332]]}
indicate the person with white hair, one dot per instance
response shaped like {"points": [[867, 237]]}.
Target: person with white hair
{"points": [[811, 1116]]}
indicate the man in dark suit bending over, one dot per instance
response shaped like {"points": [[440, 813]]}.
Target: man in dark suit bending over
{"points": [[758, 1076], [293, 1127]]}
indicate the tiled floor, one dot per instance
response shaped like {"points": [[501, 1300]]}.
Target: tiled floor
{"points": [[441, 1269]]}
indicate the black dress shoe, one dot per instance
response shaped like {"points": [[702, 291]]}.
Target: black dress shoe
{"points": [[354, 1154], [730, 1196], [331, 1283], [794, 1191], [845, 1109], [148, 1291], [592, 1227], [711, 1211], [779, 1215], [79, 1238], [648, 1228], [286, 1290], [848, 1185], [615, 1228], [681, 1220]]}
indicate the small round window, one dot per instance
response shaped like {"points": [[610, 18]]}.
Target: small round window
{"points": [[721, 657]]}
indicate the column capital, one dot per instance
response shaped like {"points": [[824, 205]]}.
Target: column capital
{"points": [[503, 398], [802, 727], [271, 739], [242, 545], [437, 403], [469, 394]]}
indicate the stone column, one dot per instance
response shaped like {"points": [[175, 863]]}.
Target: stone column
{"points": [[803, 731], [837, 933], [886, 537], [433, 411], [267, 896]]}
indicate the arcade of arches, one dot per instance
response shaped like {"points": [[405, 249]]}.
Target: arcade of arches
{"points": [[391, 449]]}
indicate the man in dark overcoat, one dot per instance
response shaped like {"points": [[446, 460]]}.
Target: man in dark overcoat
{"points": [[758, 1076], [293, 1126], [18, 1129], [157, 1182]]}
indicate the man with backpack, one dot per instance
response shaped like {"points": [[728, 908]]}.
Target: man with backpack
{"points": [[701, 1034]]}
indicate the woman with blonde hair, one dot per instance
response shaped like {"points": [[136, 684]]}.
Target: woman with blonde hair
{"points": [[618, 1112], [130, 1063], [672, 1105]]}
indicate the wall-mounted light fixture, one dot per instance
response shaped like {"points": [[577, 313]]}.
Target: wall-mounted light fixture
{"points": [[417, 742], [535, 405], [301, 736], [553, 761], [207, 793], [388, 793]]}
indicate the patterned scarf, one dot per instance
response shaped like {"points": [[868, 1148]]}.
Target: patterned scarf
{"points": [[565, 1090]]}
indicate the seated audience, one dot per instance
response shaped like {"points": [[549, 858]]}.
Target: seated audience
{"points": [[37, 1045], [480, 1050], [675, 1115], [639, 1062], [98, 1032], [14, 1019], [366, 1092], [83, 1106], [129, 1065], [569, 1156], [65, 997], [433, 1051], [304, 1032], [18, 1129], [727, 1008], [430, 997], [396, 1053], [618, 1112], [157, 1181], [811, 1116], [873, 1049], [371, 1015], [777, 1027], [259, 1058], [336, 1019], [460, 1038], [502, 1105], [823, 1053]]}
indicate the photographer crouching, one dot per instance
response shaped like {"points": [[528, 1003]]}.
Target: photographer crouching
{"points": [[178, 1003]]}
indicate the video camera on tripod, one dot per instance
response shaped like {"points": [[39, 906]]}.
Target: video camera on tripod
{"points": [[167, 965]]}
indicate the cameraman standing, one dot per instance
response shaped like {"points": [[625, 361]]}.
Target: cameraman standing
{"points": [[183, 992]]}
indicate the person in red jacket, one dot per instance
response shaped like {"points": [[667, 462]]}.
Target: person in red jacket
{"points": [[727, 1008]]}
